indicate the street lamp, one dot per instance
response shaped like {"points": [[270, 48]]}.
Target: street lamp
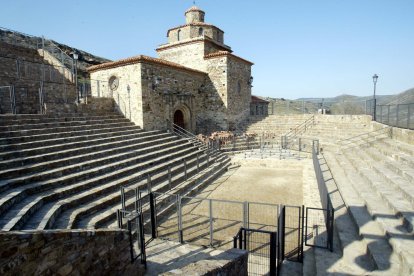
{"points": [[75, 58], [374, 79]]}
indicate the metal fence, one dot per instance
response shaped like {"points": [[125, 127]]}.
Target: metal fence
{"points": [[398, 115], [290, 107]]}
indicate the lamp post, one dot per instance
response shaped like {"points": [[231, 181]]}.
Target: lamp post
{"points": [[75, 57], [374, 79]]}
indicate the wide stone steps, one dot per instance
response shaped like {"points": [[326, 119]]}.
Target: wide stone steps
{"points": [[396, 206], [18, 120], [63, 151], [95, 195], [72, 184], [102, 212], [51, 161], [80, 126], [371, 232], [189, 187], [64, 140], [51, 136], [90, 164], [59, 124]]}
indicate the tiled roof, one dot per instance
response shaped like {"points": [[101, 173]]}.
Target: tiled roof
{"points": [[194, 24], [256, 99], [226, 53], [196, 40], [194, 8], [141, 59]]}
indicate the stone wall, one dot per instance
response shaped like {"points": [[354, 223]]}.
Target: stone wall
{"points": [[231, 262], [238, 91], [399, 134], [165, 90], [127, 103], [25, 70], [66, 252], [190, 55]]}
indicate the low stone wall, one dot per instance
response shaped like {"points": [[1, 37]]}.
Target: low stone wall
{"points": [[98, 105], [230, 262], [64, 252], [399, 134]]}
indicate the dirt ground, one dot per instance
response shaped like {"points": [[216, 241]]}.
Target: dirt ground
{"points": [[264, 184]]}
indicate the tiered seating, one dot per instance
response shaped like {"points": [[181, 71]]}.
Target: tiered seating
{"points": [[276, 125], [328, 129], [376, 182], [66, 171]]}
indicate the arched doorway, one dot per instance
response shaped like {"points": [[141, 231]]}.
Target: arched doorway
{"points": [[179, 118]]}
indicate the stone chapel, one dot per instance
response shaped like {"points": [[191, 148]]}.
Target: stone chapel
{"points": [[196, 81]]}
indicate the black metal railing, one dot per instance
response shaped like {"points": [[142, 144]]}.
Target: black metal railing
{"points": [[133, 222], [264, 258]]}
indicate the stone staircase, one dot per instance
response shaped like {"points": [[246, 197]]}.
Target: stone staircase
{"points": [[65, 171], [376, 184], [275, 125]]}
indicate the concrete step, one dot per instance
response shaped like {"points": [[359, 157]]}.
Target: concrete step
{"points": [[92, 195], [386, 200], [67, 134], [64, 166], [189, 187], [352, 247], [20, 212], [6, 119], [44, 155], [60, 123], [372, 234], [75, 217], [13, 120], [80, 126]]}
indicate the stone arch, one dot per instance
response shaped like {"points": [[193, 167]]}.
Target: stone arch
{"points": [[182, 117]]}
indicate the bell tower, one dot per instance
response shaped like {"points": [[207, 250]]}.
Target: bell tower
{"points": [[194, 15]]}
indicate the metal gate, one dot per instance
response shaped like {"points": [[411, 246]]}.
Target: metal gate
{"points": [[263, 247], [293, 232], [7, 100], [319, 227]]}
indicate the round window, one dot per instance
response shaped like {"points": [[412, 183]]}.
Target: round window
{"points": [[113, 83]]}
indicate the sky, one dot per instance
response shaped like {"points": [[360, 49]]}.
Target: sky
{"points": [[300, 48]]}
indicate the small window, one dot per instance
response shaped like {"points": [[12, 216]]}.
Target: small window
{"points": [[200, 31], [113, 83], [238, 87], [178, 35]]}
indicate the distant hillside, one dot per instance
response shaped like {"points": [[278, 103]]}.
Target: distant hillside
{"points": [[402, 98], [342, 104]]}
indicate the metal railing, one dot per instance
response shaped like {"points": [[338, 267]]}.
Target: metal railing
{"points": [[134, 223], [398, 115], [39, 43], [364, 138]]}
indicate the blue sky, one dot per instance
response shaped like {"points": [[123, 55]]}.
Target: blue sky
{"points": [[301, 48]]}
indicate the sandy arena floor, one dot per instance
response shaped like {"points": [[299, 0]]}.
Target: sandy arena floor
{"points": [[263, 183]]}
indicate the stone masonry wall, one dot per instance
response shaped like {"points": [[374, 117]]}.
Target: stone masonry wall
{"points": [[166, 89], [399, 134], [128, 104], [66, 252], [238, 91], [189, 55]]}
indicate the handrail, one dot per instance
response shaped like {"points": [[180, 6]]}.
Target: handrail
{"points": [[302, 125], [352, 141]]}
